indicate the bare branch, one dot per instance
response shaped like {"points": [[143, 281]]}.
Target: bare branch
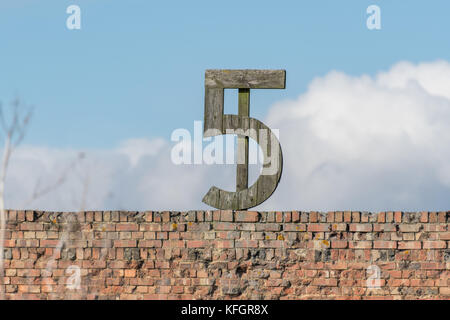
{"points": [[39, 192], [2, 119], [15, 129]]}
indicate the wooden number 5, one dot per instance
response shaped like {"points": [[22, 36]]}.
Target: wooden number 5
{"points": [[218, 123]]}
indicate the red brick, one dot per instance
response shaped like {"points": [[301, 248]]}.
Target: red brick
{"points": [[347, 216], [221, 244], [149, 244], [224, 226], [274, 227], [89, 216], [432, 266], [434, 244], [125, 243], [340, 244], [94, 264], [292, 227], [31, 226], [247, 216], [127, 227], [389, 216], [384, 244], [324, 282], [385, 227], [246, 243], [130, 273], [197, 243], [279, 217], [444, 235], [402, 245], [226, 215], [422, 283], [228, 235], [319, 227], [361, 227], [330, 216], [339, 227], [287, 217], [409, 227], [432, 217], [29, 215], [216, 215], [20, 216], [149, 216], [360, 244], [9, 243], [98, 216], [313, 216], [356, 216], [424, 216], [182, 264], [49, 243]]}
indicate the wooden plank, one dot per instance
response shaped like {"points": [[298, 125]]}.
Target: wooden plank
{"points": [[268, 180], [266, 183], [214, 99], [229, 200], [212, 198], [242, 143], [215, 82], [250, 79], [248, 198]]}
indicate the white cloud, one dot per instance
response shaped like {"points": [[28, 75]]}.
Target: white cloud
{"points": [[361, 143], [367, 143], [137, 175], [135, 149]]}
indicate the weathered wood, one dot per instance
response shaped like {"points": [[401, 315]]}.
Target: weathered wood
{"points": [[213, 111], [217, 123], [229, 200], [272, 167], [212, 197], [266, 183], [242, 143], [250, 79]]}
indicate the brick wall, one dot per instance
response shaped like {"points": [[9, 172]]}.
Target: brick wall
{"points": [[227, 255]]}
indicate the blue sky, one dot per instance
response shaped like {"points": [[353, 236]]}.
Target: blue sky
{"points": [[136, 68], [363, 120]]}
